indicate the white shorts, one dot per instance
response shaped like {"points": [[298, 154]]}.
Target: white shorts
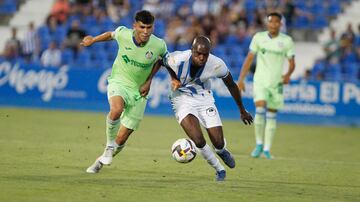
{"points": [[203, 109]]}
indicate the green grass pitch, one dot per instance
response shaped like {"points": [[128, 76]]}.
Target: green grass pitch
{"points": [[44, 155]]}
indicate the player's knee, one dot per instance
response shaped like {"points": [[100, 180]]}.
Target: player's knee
{"points": [[115, 112], [199, 142], [219, 144]]}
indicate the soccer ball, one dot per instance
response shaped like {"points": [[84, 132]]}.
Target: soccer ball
{"points": [[183, 150]]}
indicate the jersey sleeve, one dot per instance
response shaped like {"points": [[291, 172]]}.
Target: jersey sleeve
{"points": [[117, 33], [164, 51], [172, 60], [254, 44], [221, 70], [290, 50]]}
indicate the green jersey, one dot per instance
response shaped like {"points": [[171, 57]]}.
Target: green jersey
{"points": [[270, 56], [134, 63]]}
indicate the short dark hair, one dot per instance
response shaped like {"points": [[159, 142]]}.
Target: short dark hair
{"points": [[274, 14], [202, 40], [145, 17]]}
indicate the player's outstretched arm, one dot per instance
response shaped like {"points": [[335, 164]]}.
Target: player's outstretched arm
{"points": [[245, 69], [286, 77], [175, 83], [236, 94], [89, 40]]}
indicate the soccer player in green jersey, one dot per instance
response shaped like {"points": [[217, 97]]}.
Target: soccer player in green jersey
{"points": [[138, 51], [271, 49]]}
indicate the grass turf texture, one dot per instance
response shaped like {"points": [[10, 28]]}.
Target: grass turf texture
{"points": [[44, 155]]}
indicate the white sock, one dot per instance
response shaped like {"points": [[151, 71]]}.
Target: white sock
{"points": [[259, 123], [210, 157], [112, 128], [270, 130]]}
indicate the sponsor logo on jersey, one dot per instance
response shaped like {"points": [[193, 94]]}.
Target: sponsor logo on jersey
{"points": [[136, 63], [128, 48]]}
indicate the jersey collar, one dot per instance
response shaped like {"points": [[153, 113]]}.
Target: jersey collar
{"points": [[136, 43], [268, 33]]}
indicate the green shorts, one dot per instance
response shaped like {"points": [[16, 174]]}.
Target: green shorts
{"points": [[273, 96], [134, 104]]}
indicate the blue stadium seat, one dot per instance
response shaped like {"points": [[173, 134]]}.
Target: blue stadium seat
{"points": [[317, 7], [182, 47], [301, 22], [334, 8], [349, 57], [333, 72], [220, 50], [320, 21], [67, 56], [59, 35], [351, 72], [83, 59], [250, 5], [100, 59], [236, 51], [318, 69], [160, 28], [8, 6]]}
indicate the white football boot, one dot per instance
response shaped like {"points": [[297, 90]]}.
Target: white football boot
{"points": [[95, 167], [107, 156]]}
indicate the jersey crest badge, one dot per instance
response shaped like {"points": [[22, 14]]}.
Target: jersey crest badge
{"points": [[149, 55], [281, 45]]}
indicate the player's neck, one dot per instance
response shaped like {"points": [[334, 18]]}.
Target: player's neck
{"points": [[273, 35], [137, 41]]}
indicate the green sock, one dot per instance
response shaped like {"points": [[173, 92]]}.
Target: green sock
{"points": [[112, 128], [270, 130], [259, 123]]}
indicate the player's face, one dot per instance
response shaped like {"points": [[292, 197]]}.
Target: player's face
{"points": [[143, 31], [200, 55], [273, 24]]}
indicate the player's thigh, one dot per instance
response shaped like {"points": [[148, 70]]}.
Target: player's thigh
{"points": [[191, 126], [182, 108], [261, 95], [133, 114], [209, 115], [216, 136], [276, 100], [117, 95], [116, 103]]}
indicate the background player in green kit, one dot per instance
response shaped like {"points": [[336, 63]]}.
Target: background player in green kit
{"points": [[271, 49], [138, 51]]}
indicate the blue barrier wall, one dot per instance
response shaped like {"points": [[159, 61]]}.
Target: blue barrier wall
{"points": [[328, 103]]}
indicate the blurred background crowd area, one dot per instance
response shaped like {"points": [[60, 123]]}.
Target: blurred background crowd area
{"points": [[230, 24]]}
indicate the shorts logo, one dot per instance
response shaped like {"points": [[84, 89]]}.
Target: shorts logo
{"points": [[211, 111], [149, 55]]}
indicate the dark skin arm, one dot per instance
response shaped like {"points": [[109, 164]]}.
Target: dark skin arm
{"points": [[235, 93], [145, 88]]}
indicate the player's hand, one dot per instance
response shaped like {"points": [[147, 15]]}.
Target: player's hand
{"points": [[175, 84], [246, 117], [145, 88], [286, 79], [241, 86], [87, 41]]}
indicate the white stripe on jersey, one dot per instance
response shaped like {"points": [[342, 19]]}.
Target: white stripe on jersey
{"points": [[180, 62]]}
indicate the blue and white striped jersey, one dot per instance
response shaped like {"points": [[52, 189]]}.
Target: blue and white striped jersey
{"points": [[180, 63]]}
